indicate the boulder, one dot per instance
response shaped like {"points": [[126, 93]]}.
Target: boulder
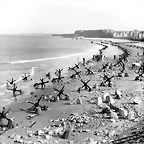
{"points": [[113, 115], [131, 115], [123, 112], [98, 101]]}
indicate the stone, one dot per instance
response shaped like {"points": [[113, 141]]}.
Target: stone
{"points": [[113, 115], [98, 101], [123, 112], [131, 115], [118, 94], [137, 100]]}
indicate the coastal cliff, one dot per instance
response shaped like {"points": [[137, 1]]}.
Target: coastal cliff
{"points": [[106, 33]]}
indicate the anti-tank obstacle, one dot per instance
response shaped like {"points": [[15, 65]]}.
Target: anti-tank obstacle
{"points": [[14, 90], [89, 71], [59, 76], [61, 92], [42, 83]]}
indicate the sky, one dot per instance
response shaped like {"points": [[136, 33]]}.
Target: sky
{"points": [[66, 16]]}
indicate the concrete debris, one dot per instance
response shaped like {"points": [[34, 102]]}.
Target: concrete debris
{"points": [[123, 112], [98, 101], [137, 100], [78, 119], [112, 133], [104, 96], [113, 115], [118, 94], [78, 101], [110, 100], [131, 115]]}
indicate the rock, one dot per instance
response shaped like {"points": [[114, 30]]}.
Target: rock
{"points": [[98, 101], [113, 115], [137, 100], [131, 115], [123, 112], [38, 111], [78, 101], [105, 95], [118, 94]]}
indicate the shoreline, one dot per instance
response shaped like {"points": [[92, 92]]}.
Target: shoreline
{"points": [[57, 62], [56, 108]]}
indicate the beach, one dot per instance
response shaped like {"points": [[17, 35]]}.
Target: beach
{"points": [[62, 109]]}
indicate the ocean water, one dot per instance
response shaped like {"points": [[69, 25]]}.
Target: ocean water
{"points": [[36, 55]]}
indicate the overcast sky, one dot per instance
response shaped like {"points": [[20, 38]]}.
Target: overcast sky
{"points": [[66, 16]]}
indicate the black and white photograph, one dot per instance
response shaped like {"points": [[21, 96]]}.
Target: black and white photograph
{"points": [[71, 71]]}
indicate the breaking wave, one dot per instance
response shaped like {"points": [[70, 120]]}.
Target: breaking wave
{"points": [[44, 59]]}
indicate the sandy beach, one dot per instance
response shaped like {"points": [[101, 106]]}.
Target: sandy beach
{"points": [[99, 128]]}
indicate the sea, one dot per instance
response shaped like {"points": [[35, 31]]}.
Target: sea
{"points": [[36, 55]]}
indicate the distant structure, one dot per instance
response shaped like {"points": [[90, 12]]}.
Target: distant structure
{"points": [[132, 35]]}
